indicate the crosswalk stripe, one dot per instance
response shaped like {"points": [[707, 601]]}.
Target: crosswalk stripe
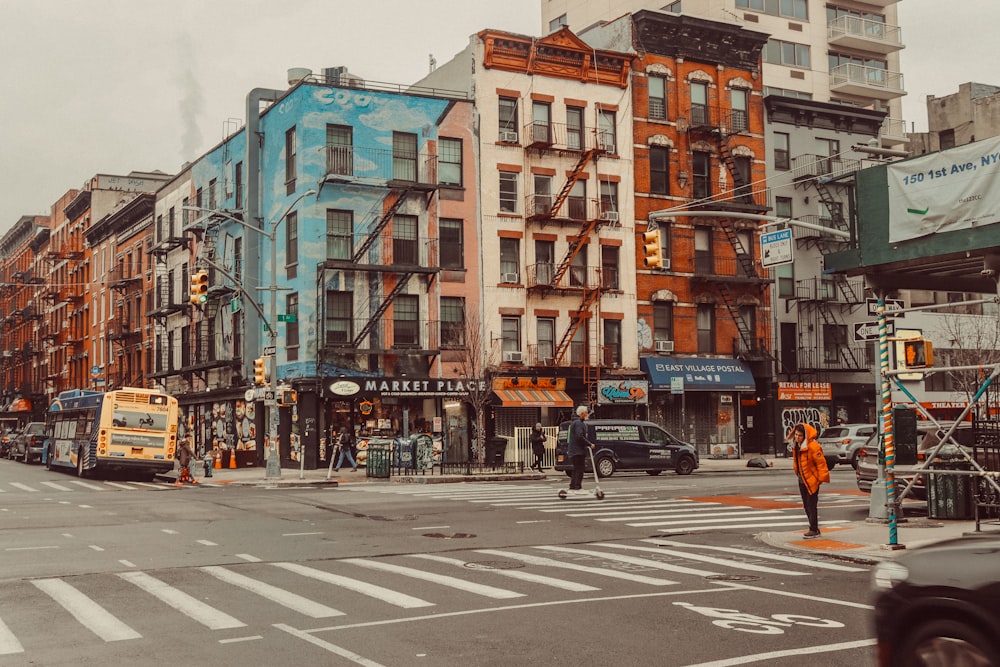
{"points": [[57, 487], [631, 560], [88, 485], [731, 526], [702, 558], [553, 499], [150, 485], [550, 562], [667, 512], [514, 574], [371, 590], [444, 580], [8, 642], [762, 555], [191, 607], [87, 612], [696, 518], [605, 507], [119, 485], [23, 487], [273, 593]]}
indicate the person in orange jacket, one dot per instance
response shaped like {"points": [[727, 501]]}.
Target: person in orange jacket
{"points": [[810, 468]]}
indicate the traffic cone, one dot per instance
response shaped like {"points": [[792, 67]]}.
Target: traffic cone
{"points": [[232, 459], [218, 461]]}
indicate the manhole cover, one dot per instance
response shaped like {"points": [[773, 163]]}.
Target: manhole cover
{"points": [[494, 565], [733, 577], [453, 536]]}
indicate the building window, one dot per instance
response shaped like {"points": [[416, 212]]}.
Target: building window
{"points": [[794, 9], [574, 128], [946, 139], [404, 156], [659, 170], [508, 192], [508, 119], [703, 264], [783, 207], [782, 157], [606, 131], [510, 334], [558, 22], [778, 52], [339, 318], [406, 321], [787, 92], [452, 247], [609, 201], [545, 331], [672, 7], [657, 97], [541, 123], [706, 328], [291, 242], [213, 193], [452, 322], [238, 259], [545, 266], [828, 153], [541, 200], [612, 343], [786, 280], [450, 161], [699, 103], [748, 317], [701, 176], [578, 268], [340, 150], [290, 170], [610, 260], [404, 240], [663, 320], [510, 261], [834, 340], [238, 177], [339, 234], [743, 178], [579, 352], [292, 326], [576, 202], [739, 119]]}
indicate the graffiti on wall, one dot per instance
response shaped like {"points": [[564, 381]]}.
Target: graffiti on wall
{"points": [[817, 417]]}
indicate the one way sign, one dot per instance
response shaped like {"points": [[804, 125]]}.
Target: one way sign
{"points": [[869, 330]]}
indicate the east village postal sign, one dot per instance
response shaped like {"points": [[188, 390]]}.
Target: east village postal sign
{"points": [[945, 192]]}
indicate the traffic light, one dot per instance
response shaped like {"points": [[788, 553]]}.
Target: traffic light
{"points": [[260, 370], [288, 397], [917, 353], [199, 288], [652, 249]]}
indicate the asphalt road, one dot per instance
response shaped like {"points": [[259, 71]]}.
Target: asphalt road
{"points": [[663, 571]]}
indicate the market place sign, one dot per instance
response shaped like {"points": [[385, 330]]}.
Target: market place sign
{"points": [[425, 387]]}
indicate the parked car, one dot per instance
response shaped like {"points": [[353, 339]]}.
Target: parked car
{"points": [[841, 443], [940, 604], [928, 437], [29, 444], [623, 444]]}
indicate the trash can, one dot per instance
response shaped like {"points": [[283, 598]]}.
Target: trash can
{"points": [[495, 448], [379, 458], [950, 496]]}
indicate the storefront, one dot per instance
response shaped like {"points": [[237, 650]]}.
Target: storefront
{"points": [[697, 399], [526, 401], [623, 399], [225, 425]]}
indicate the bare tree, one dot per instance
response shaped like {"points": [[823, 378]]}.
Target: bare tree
{"points": [[964, 339], [478, 364]]}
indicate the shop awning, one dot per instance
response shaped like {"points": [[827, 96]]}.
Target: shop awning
{"points": [[699, 373], [534, 398]]}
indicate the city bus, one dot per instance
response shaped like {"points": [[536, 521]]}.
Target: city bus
{"points": [[126, 430]]}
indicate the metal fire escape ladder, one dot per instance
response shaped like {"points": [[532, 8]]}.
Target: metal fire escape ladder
{"points": [[574, 176], [741, 187], [376, 230], [825, 196], [380, 311], [590, 296], [573, 250]]}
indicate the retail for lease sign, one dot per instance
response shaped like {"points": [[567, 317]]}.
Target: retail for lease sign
{"points": [[804, 391]]}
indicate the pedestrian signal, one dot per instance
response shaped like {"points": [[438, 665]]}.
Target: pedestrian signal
{"points": [[652, 249], [288, 397], [199, 288], [918, 353]]}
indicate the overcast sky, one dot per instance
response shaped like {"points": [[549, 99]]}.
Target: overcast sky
{"points": [[112, 86]]}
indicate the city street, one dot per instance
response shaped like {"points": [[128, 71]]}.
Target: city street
{"points": [[665, 570]]}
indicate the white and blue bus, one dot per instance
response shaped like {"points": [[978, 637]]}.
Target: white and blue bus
{"points": [[126, 430]]}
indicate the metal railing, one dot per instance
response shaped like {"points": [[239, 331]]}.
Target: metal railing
{"points": [[380, 164]]}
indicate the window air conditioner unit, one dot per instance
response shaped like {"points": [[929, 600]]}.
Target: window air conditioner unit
{"points": [[508, 136], [513, 357], [609, 216], [666, 263], [606, 144], [509, 278], [664, 346]]}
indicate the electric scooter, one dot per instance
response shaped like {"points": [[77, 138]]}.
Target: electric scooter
{"points": [[564, 493]]}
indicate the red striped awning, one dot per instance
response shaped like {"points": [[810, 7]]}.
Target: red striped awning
{"points": [[530, 398]]}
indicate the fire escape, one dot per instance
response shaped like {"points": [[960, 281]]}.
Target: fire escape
{"points": [[829, 298], [388, 253], [60, 335], [126, 328], [719, 128]]}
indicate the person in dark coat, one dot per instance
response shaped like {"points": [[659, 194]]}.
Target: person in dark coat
{"points": [[184, 456], [345, 447], [579, 440], [537, 440]]}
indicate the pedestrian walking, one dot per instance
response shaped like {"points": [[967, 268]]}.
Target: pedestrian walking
{"points": [[579, 440], [811, 471], [184, 457], [537, 440], [345, 448]]}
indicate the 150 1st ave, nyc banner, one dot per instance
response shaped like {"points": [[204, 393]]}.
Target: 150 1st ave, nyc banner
{"points": [[958, 188]]}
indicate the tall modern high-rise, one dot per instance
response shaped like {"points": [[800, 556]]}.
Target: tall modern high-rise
{"points": [[823, 50]]}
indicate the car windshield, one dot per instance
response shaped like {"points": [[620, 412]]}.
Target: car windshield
{"points": [[834, 433], [35, 428]]}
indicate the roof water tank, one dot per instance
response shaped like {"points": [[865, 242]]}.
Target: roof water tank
{"points": [[297, 74]]}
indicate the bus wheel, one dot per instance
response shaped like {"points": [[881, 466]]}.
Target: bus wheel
{"points": [[80, 472]]}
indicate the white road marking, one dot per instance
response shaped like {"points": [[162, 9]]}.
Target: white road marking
{"points": [[127, 563], [96, 548], [87, 612], [444, 580], [248, 558], [273, 593], [191, 607], [57, 487], [85, 507], [207, 543], [757, 554], [631, 560], [430, 527], [8, 642], [119, 485], [168, 531], [700, 518], [371, 590], [771, 655], [758, 524], [88, 485], [29, 548], [240, 639], [332, 648], [23, 487], [549, 562], [703, 559], [666, 505], [301, 534], [151, 485], [514, 574]]}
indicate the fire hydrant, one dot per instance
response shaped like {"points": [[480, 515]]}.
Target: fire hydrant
{"points": [[208, 460]]}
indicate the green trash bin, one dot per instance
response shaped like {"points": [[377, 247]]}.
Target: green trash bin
{"points": [[950, 496], [379, 458]]}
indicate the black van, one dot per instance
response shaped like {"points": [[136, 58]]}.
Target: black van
{"points": [[629, 445]]}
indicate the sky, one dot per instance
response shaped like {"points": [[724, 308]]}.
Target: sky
{"points": [[112, 86]]}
